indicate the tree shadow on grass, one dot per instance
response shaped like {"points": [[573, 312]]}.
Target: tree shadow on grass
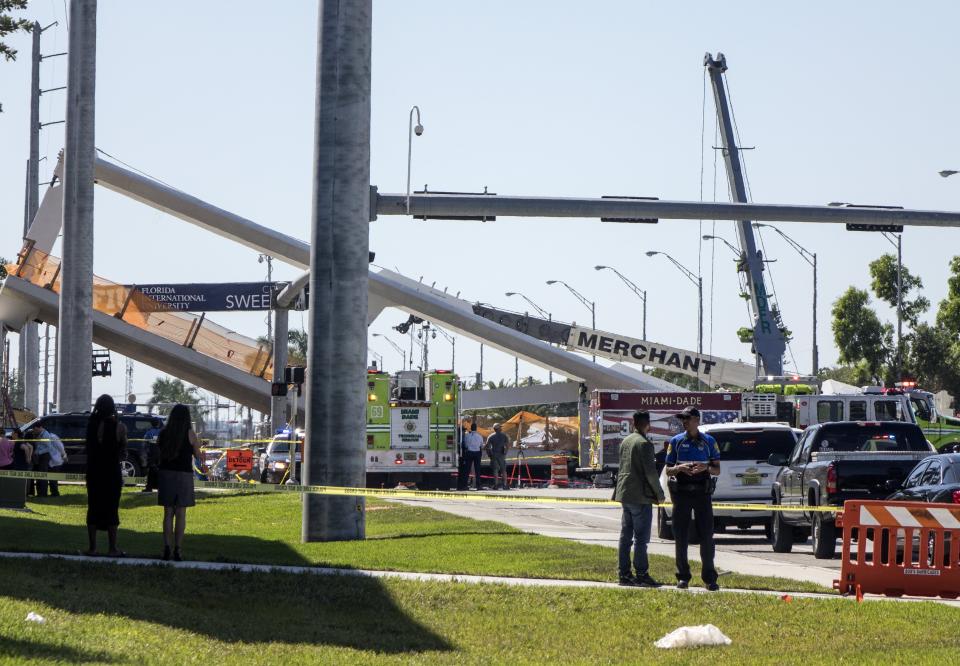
{"points": [[46, 536], [230, 606], [17, 649]]}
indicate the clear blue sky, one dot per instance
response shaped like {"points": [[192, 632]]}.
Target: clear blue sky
{"points": [[541, 98]]}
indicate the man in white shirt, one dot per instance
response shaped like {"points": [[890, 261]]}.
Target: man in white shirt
{"points": [[473, 454], [50, 453]]}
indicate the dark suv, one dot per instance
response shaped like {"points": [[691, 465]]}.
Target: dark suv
{"points": [[72, 429]]}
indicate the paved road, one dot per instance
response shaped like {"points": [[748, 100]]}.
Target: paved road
{"points": [[744, 552]]}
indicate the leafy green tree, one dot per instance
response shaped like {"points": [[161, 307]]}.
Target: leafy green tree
{"points": [[10, 25], [883, 274], [855, 375], [948, 313], [167, 392], [858, 332], [935, 358], [3, 268]]}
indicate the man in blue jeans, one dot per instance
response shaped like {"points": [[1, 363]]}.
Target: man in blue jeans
{"points": [[638, 489]]}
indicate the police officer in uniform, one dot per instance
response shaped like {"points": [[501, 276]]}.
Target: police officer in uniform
{"points": [[692, 459]]}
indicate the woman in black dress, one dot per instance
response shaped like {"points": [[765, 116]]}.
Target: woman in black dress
{"points": [[106, 446], [178, 445]]}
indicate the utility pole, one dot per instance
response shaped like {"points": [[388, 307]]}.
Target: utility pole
{"points": [[898, 359], [45, 407], [76, 287], [816, 353], [269, 260], [768, 340], [278, 404], [128, 378], [335, 441], [29, 335]]}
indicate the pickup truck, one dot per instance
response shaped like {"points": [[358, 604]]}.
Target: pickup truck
{"points": [[834, 462]]}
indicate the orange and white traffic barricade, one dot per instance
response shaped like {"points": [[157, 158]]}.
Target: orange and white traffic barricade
{"points": [[900, 548], [558, 472]]}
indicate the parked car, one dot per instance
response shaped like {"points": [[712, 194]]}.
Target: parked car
{"points": [[275, 461], [934, 479], [72, 429], [745, 474], [834, 462]]}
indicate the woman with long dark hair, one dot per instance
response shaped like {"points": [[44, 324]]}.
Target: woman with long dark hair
{"points": [[106, 447], [178, 445]]}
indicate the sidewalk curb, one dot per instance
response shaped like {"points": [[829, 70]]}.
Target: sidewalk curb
{"points": [[435, 577]]}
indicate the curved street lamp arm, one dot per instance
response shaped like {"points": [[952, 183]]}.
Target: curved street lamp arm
{"points": [[802, 251]]}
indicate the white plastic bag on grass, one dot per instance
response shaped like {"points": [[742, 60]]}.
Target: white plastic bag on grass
{"points": [[33, 617], [703, 634]]}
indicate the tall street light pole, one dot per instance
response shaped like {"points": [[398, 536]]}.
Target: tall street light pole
{"points": [[641, 293], [897, 244], [397, 347], [591, 305], [698, 283], [411, 128], [725, 242], [810, 258], [452, 339], [260, 259], [542, 313]]}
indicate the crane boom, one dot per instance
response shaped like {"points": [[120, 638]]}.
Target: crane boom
{"points": [[769, 342]]}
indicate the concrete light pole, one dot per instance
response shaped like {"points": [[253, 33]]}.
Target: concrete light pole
{"points": [[339, 255], [278, 404], [591, 305], [29, 336], [542, 313], [810, 258], [75, 338], [641, 293], [899, 245], [698, 282], [410, 130], [452, 339], [396, 347]]}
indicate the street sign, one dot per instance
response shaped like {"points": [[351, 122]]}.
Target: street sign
{"points": [[208, 297], [892, 228], [239, 460]]}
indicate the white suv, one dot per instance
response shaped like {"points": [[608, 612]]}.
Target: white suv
{"points": [[745, 476]]}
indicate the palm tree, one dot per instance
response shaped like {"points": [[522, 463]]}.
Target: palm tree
{"points": [[297, 347]]}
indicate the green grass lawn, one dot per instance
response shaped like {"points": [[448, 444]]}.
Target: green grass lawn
{"points": [[265, 528], [109, 614]]}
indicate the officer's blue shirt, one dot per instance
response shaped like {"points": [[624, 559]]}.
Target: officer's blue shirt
{"points": [[682, 449]]}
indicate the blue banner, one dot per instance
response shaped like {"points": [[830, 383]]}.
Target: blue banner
{"points": [[219, 297]]}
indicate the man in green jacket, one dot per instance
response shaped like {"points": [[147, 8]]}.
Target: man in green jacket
{"points": [[638, 489]]}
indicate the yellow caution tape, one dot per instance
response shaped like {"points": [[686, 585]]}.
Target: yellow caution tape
{"points": [[252, 487]]}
